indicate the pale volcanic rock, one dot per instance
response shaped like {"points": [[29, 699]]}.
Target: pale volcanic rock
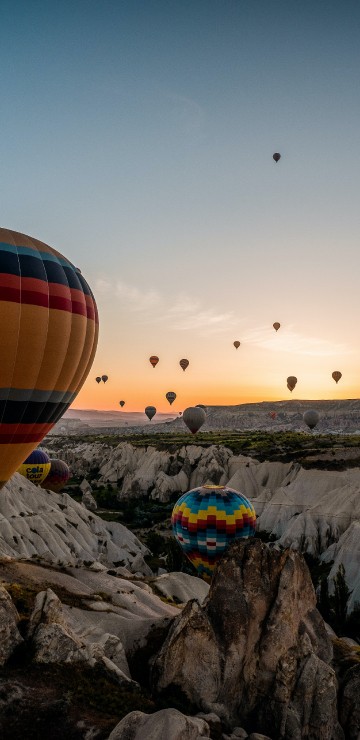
{"points": [[10, 636], [346, 552], [180, 587], [35, 523], [257, 649], [169, 724]]}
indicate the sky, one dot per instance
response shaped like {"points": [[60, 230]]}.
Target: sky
{"points": [[137, 139]]}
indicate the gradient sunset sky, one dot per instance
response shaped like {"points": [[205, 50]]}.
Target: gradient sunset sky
{"points": [[137, 139]]}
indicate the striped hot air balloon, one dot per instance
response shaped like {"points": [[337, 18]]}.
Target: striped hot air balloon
{"points": [[48, 338], [57, 476], [170, 396], [184, 364], [153, 360], [205, 520]]}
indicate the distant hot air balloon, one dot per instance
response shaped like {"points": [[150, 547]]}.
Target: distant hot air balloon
{"points": [[184, 364], [276, 325], [311, 418], [98, 379], [276, 156], [104, 378], [180, 413], [170, 396], [194, 418], [36, 466], [236, 344], [201, 406], [272, 414], [122, 403], [291, 382], [206, 520], [336, 375], [150, 411], [153, 360], [57, 477], [48, 338]]}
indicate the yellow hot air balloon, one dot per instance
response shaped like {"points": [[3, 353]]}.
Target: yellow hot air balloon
{"points": [[48, 338], [36, 467], [336, 375]]}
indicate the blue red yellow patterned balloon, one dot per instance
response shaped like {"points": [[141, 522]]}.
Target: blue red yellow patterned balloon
{"points": [[57, 476], [48, 338], [206, 520], [36, 467]]}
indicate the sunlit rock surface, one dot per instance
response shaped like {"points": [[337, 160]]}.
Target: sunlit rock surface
{"points": [[257, 651]]}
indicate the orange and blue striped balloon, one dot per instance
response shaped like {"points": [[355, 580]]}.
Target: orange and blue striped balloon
{"points": [[48, 338], [205, 521]]}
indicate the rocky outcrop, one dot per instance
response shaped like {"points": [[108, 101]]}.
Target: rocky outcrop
{"points": [[52, 527], [180, 587], [10, 636], [257, 652], [168, 723]]}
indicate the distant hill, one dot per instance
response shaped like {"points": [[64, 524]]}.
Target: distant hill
{"points": [[342, 416]]}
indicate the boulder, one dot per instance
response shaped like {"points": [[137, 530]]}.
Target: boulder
{"points": [[169, 724], [10, 636]]}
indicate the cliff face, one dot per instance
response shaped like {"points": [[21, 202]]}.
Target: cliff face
{"points": [[256, 653]]}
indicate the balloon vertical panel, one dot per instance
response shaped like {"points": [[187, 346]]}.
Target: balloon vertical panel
{"points": [[49, 329]]}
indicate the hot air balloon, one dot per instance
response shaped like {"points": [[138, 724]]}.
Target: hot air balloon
{"points": [[201, 406], [36, 466], [276, 156], [236, 344], [272, 414], [184, 364], [48, 338], [104, 378], [276, 325], [336, 375], [122, 403], [153, 360], [150, 411], [205, 521], [291, 382], [57, 477], [311, 418], [98, 379], [170, 396], [194, 418]]}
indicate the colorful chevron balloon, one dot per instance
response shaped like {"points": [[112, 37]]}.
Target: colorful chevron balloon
{"points": [[205, 521], [48, 338]]}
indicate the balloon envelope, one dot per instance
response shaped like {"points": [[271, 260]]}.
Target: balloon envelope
{"points": [[150, 411], [236, 344], [276, 325], [122, 403], [205, 520], [291, 382], [200, 406], [58, 475], [36, 467], [336, 375], [48, 338], [184, 364], [98, 379], [194, 418], [311, 418], [153, 360], [276, 156], [170, 396], [104, 378]]}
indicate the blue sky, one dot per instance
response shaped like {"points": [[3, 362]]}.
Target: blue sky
{"points": [[137, 138]]}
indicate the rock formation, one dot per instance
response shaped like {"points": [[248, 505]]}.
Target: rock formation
{"points": [[257, 652]]}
